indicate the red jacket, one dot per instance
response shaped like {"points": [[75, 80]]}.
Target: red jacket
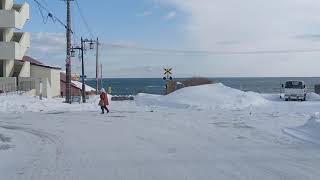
{"points": [[104, 97]]}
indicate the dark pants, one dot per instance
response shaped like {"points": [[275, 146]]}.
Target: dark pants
{"points": [[104, 108]]}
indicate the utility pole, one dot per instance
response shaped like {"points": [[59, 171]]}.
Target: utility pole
{"points": [[97, 67], [83, 76], [101, 80], [68, 59]]}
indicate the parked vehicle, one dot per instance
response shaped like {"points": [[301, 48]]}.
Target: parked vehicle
{"points": [[295, 90]]}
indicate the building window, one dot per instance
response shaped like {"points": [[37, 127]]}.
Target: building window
{"points": [[1, 4]]}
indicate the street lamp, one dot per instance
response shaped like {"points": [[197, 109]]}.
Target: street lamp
{"points": [[82, 49], [73, 52], [91, 45]]}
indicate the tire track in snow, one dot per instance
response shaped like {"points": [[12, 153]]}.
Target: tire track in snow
{"points": [[39, 168]]}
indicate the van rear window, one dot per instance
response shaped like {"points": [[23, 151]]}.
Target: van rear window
{"points": [[294, 85]]}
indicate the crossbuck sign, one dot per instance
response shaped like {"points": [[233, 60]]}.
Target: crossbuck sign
{"points": [[167, 73]]}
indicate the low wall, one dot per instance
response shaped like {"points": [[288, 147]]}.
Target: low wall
{"points": [[8, 84]]}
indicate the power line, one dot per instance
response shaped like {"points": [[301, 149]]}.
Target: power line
{"points": [[165, 51], [49, 14], [84, 19], [206, 52]]}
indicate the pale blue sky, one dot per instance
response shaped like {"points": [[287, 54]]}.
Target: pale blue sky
{"points": [[211, 25], [144, 23]]}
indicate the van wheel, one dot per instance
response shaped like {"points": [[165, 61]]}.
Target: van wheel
{"points": [[286, 99]]}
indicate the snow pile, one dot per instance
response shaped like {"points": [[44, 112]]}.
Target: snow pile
{"points": [[313, 96], [309, 132], [18, 103], [210, 96]]}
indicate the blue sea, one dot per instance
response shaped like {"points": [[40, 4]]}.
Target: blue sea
{"points": [[133, 86]]}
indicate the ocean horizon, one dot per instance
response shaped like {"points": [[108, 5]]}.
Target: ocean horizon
{"points": [[133, 86]]}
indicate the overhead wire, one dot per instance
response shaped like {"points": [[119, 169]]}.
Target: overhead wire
{"points": [[49, 14], [84, 19], [206, 52]]}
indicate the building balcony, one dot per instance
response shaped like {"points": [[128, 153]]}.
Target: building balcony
{"points": [[16, 48], [16, 17]]}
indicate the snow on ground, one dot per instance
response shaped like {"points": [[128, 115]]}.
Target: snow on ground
{"points": [[194, 137], [212, 96], [309, 132], [18, 104]]}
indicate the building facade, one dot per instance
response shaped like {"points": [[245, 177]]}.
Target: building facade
{"points": [[13, 45], [49, 77], [25, 73]]}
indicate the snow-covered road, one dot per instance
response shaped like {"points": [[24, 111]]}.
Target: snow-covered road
{"points": [[145, 142]]}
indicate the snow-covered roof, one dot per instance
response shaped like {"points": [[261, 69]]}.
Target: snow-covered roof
{"points": [[79, 85]]}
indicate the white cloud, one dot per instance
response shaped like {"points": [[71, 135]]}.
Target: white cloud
{"points": [[49, 43], [171, 15], [49, 48], [249, 25]]}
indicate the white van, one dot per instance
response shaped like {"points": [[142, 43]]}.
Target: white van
{"points": [[295, 90]]}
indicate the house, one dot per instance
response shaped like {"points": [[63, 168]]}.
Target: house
{"points": [[48, 75], [76, 87]]}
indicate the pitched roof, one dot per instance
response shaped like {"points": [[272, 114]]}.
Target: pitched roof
{"points": [[37, 63], [31, 60], [75, 84]]}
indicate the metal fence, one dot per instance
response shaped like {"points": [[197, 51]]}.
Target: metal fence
{"points": [[26, 84], [20, 85], [8, 85]]}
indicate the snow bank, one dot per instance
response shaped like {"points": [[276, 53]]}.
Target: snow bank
{"points": [[17, 103], [309, 132], [313, 96], [210, 96]]}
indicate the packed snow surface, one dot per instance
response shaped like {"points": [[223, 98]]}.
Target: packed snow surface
{"points": [[17, 103], [207, 132], [309, 132]]}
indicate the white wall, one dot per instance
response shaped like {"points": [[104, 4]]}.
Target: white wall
{"points": [[8, 68], [55, 82], [11, 18], [50, 80], [25, 71], [8, 4], [7, 35]]}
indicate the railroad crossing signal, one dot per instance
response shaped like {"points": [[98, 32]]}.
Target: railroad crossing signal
{"points": [[167, 73]]}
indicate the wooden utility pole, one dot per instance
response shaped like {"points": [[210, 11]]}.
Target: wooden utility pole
{"points": [[82, 72], [97, 66], [101, 80], [68, 59]]}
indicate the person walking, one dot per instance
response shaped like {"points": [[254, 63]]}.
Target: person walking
{"points": [[104, 102]]}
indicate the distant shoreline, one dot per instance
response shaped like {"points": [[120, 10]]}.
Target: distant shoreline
{"points": [[258, 77]]}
